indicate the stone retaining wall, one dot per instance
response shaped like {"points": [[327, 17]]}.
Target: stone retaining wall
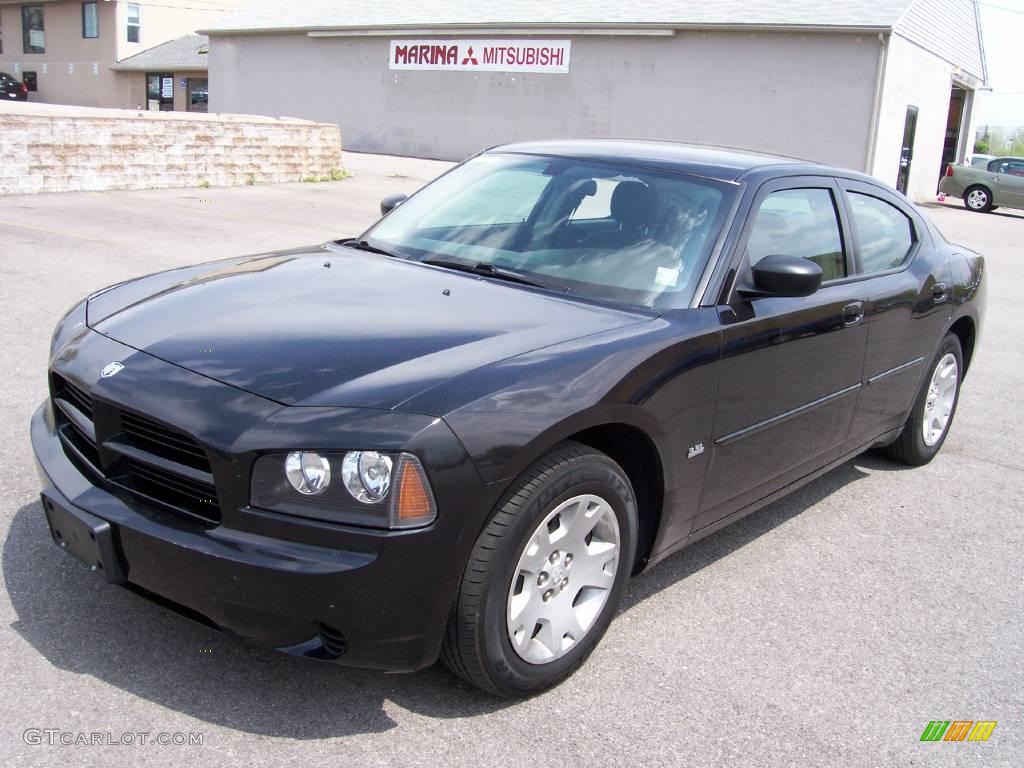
{"points": [[65, 149]]}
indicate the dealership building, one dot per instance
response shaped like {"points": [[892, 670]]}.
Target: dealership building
{"points": [[882, 86]]}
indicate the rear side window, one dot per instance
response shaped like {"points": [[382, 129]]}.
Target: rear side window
{"points": [[1007, 165], [802, 223], [885, 234]]}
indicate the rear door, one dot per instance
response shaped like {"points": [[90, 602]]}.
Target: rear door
{"points": [[906, 285], [791, 367]]}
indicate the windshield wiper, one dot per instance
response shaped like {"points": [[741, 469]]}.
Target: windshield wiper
{"points": [[484, 269], [364, 245]]}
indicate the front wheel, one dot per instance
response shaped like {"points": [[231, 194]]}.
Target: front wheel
{"points": [[928, 424], [978, 199], [546, 575]]}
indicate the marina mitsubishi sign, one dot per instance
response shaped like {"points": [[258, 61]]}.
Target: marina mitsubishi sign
{"points": [[537, 56]]}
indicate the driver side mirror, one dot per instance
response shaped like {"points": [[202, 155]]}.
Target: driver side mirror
{"points": [[784, 276], [389, 203]]}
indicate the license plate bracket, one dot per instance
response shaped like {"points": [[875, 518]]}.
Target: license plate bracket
{"points": [[89, 538]]}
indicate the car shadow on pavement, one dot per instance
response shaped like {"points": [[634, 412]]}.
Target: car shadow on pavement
{"points": [[737, 535], [82, 625]]}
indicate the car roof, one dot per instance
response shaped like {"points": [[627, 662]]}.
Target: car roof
{"points": [[723, 163]]}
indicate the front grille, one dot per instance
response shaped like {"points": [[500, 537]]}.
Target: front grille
{"points": [[137, 454], [333, 641], [163, 441], [183, 493], [74, 395]]}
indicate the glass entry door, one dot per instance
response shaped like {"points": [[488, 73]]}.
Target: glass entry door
{"points": [[907, 150], [198, 94], [160, 91]]}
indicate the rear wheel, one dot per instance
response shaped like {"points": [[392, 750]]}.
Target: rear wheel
{"points": [[928, 424], [546, 575], [978, 199]]}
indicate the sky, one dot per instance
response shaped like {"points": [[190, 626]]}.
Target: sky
{"points": [[1002, 27]]}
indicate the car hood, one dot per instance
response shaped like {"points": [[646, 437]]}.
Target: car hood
{"points": [[335, 326]]}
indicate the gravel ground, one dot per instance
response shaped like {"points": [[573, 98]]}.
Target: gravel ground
{"points": [[825, 630]]}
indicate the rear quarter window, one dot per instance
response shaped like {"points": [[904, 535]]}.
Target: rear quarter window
{"points": [[885, 234]]}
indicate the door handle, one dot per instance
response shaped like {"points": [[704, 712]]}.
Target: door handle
{"points": [[853, 313], [939, 293]]}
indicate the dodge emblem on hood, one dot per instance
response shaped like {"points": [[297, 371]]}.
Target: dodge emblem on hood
{"points": [[110, 370]]}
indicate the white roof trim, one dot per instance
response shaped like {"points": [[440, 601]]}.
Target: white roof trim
{"points": [[442, 31]]}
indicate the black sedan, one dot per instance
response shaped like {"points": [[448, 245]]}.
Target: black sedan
{"points": [[460, 433], [11, 89]]}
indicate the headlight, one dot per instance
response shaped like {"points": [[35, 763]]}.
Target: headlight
{"points": [[367, 475], [67, 327], [379, 490], [309, 473]]}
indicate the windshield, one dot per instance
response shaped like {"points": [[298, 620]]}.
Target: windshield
{"points": [[589, 229]]}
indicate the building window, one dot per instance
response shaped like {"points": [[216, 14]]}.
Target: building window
{"points": [[29, 79], [32, 29], [134, 23], [90, 20]]}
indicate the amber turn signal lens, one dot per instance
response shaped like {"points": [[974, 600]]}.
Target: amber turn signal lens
{"points": [[415, 502]]}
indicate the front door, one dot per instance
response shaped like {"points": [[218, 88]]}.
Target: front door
{"points": [[791, 367], [160, 92], [907, 150]]}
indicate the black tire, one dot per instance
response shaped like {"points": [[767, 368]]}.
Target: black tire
{"points": [[978, 198], [477, 646], [910, 447]]}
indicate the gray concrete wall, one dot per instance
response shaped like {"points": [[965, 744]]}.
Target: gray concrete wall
{"points": [[808, 95]]}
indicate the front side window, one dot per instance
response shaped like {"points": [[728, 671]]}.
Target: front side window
{"points": [[884, 233], [32, 34], [801, 223], [90, 20], [134, 23], [617, 233]]}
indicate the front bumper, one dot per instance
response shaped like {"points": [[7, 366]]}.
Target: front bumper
{"points": [[368, 598]]}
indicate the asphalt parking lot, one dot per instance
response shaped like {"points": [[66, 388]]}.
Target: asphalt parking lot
{"points": [[826, 630]]}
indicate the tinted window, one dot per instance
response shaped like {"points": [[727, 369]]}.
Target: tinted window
{"points": [[32, 33], [1009, 165], [885, 234], [90, 20], [802, 223], [612, 232]]}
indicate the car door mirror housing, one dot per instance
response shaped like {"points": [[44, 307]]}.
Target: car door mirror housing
{"points": [[389, 203], [784, 276]]}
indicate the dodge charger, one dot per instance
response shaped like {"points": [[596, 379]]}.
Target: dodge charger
{"points": [[460, 433]]}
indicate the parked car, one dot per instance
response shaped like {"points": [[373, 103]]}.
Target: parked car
{"points": [[1000, 182], [980, 161], [461, 432], [11, 89]]}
